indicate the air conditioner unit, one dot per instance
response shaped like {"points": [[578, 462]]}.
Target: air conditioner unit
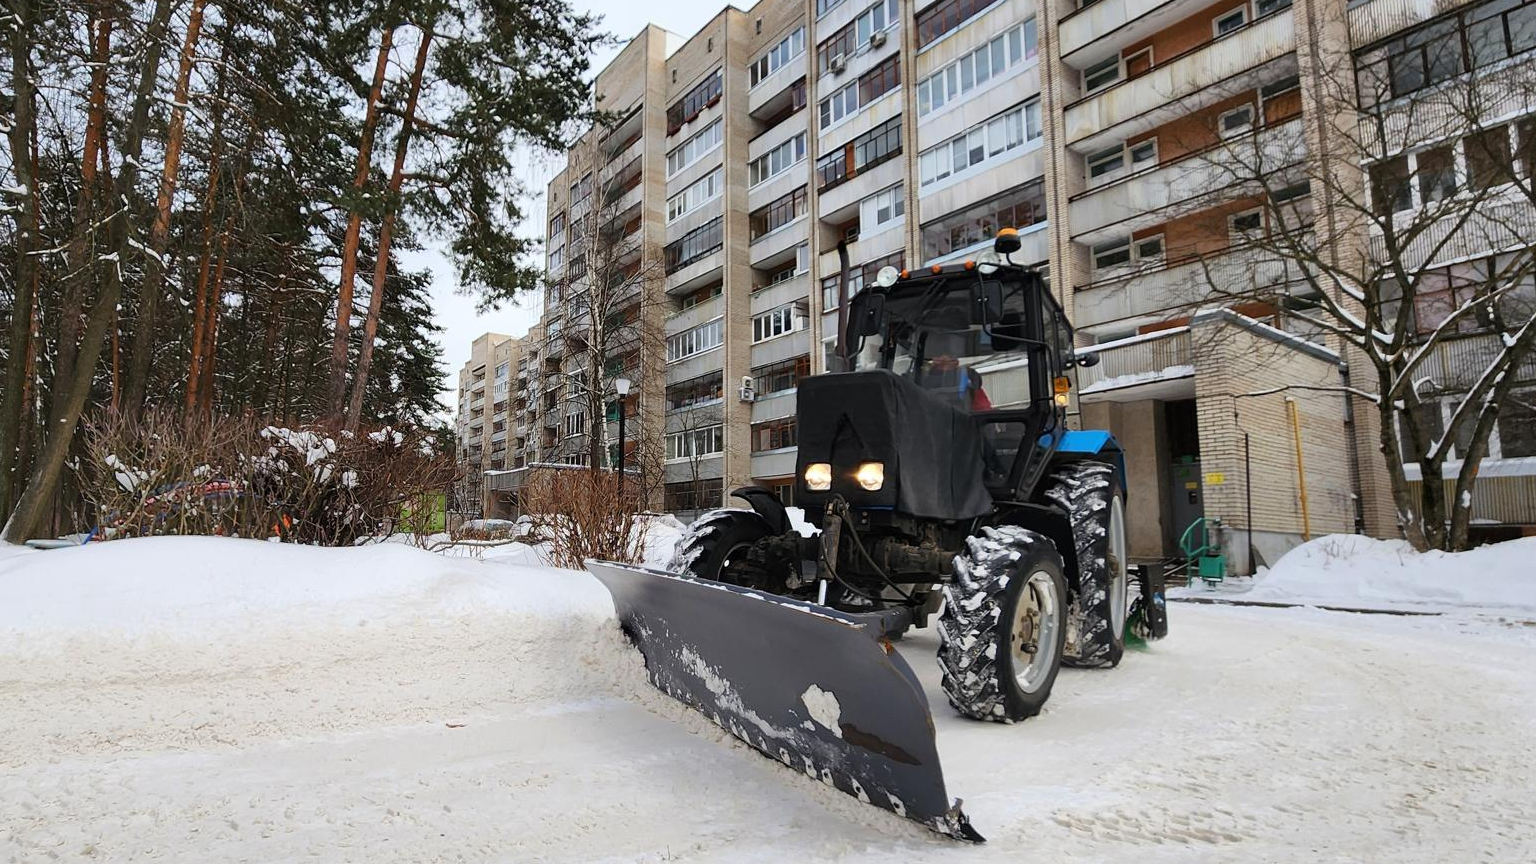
{"points": [[748, 389], [877, 39], [838, 64]]}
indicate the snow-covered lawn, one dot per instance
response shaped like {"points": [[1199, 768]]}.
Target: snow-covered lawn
{"points": [[217, 700]]}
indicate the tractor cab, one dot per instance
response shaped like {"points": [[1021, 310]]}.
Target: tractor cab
{"points": [[984, 338]]}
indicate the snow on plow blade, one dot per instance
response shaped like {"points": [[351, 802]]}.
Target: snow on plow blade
{"points": [[812, 687]]}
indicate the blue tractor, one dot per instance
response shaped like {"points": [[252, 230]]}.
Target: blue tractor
{"points": [[942, 484]]}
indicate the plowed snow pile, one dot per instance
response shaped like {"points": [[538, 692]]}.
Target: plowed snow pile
{"points": [[208, 700], [1353, 571]]}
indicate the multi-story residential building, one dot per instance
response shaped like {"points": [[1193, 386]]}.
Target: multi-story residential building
{"points": [[913, 131]]}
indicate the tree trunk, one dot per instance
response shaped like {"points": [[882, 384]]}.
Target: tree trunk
{"points": [[386, 231], [160, 231], [68, 401], [211, 331], [200, 302], [337, 393], [24, 163], [79, 268]]}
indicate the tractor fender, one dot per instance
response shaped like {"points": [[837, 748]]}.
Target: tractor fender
{"points": [[767, 505], [1049, 520], [1078, 443]]}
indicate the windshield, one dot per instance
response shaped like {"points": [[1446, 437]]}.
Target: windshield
{"points": [[926, 335]]}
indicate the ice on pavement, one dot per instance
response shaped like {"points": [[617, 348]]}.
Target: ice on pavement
{"points": [[199, 699]]}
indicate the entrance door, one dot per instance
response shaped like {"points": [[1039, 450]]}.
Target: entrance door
{"points": [[1186, 498]]}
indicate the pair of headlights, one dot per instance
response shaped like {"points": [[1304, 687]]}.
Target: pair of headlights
{"points": [[870, 476]]}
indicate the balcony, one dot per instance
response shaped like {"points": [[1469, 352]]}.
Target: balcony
{"points": [[794, 344], [776, 295], [1111, 25], [779, 244], [1147, 294], [1195, 182], [849, 193], [1152, 366], [1456, 364], [775, 463], [693, 316], [1181, 85], [769, 96]]}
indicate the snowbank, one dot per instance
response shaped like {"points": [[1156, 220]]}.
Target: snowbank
{"points": [[171, 586], [1354, 571]]}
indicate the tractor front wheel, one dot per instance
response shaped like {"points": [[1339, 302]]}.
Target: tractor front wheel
{"points": [[1003, 626], [719, 546]]}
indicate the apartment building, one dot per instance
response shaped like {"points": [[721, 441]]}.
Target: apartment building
{"points": [[914, 130]]}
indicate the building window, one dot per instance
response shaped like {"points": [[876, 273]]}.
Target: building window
{"points": [[1138, 63], [575, 424], [986, 140], [1145, 252], [696, 443], [1474, 37], [1489, 161], [1006, 50], [862, 153], [557, 226], [696, 146], [692, 495], [856, 34], [776, 161], [1101, 74], [944, 17], [1246, 226], [1517, 425], [1235, 122], [1227, 22], [1391, 190], [696, 244], [786, 319], [1436, 173], [882, 208], [1017, 208], [686, 109], [557, 258], [695, 393], [781, 377], [773, 435], [696, 341], [844, 103], [696, 195], [777, 213], [581, 191], [774, 58]]}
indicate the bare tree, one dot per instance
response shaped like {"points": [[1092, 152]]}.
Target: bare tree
{"points": [[1395, 220], [609, 289]]}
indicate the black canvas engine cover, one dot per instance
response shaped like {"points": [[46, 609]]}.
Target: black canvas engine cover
{"points": [[932, 449]]}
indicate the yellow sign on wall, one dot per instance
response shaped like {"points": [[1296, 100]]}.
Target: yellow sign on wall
{"points": [[1215, 478]]}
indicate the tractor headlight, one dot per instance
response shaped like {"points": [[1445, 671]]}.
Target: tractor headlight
{"points": [[871, 475], [818, 476]]}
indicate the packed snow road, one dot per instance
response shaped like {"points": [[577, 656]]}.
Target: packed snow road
{"points": [[206, 700]]}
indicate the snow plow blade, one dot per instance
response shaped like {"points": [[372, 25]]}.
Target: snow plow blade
{"points": [[812, 687]]}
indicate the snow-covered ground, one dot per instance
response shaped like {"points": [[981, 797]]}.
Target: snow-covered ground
{"points": [[1350, 571], [198, 699]]}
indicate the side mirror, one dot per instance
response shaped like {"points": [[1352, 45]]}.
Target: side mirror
{"points": [[987, 305], [867, 315], [1087, 360]]}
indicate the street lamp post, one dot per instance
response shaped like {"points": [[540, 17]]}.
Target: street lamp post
{"points": [[622, 386]]}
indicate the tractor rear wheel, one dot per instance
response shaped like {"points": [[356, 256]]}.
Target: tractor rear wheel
{"points": [[1090, 493], [718, 546], [1003, 626]]}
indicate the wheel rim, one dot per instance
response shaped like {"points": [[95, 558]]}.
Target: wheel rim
{"points": [[731, 554], [1036, 627], [1114, 563]]}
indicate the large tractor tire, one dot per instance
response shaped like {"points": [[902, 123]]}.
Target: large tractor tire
{"points": [[716, 547], [1004, 623], [1090, 493]]}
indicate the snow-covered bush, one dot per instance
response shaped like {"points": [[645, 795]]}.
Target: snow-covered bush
{"points": [[235, 477]]}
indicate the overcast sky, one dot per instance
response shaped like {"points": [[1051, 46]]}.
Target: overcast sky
{"points": [[454, 312]]}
